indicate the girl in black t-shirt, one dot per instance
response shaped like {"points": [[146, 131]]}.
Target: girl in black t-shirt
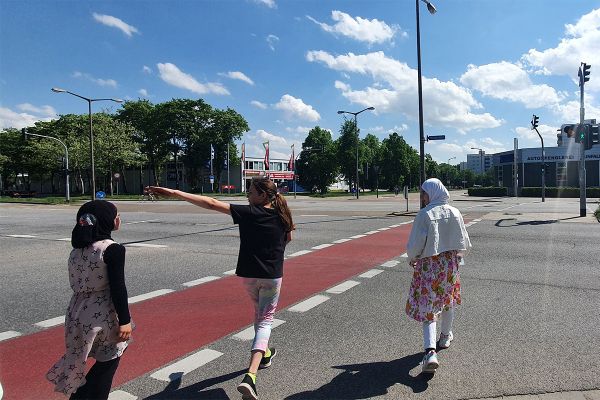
{"points": [[266, 227]]}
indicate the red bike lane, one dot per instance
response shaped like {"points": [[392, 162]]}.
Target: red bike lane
{"points": [[174, 325]]}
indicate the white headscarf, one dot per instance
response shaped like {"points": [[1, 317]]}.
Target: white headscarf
{"points": [[437, 192]]}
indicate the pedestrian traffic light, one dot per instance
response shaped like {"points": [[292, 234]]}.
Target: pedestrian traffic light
{"points": [[584, 73], [535, 121], [580, 135], [593, 136]]}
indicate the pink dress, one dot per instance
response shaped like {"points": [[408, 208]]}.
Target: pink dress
{"points": [[435, 286]]}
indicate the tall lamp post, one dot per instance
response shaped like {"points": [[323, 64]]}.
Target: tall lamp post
{"points": [[90, 101], [450, 159], [357, 141], [480, 160], [432, 10]]}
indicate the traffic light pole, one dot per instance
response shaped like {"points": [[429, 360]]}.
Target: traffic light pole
{"points": [[543, 167], [582, 194], [67, 188]]}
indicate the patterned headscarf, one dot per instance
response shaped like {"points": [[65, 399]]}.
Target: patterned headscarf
{"points": [[95, 221], [437, 192]]}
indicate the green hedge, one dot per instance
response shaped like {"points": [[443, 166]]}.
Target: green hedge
{"points": [[488, 191], [559, 192]]}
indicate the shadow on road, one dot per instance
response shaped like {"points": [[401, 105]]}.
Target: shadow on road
{"points": [[504, 223], [173, 391], [363, 381]]}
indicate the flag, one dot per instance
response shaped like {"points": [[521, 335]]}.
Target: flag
{"points": [[243, 155], [266, 146], [291, 163], [212, 152]]}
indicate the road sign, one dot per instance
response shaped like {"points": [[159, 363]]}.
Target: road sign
{"points": [[212, 179], [436, 137], [100, 194], [117, 175]]}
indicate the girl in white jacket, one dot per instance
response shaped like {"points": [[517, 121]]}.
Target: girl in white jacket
{"points": [[437, 242]]}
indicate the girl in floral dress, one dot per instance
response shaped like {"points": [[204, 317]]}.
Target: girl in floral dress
{"points": [[97, 323], [437, 242]]}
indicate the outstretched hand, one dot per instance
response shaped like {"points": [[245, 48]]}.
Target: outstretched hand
{"points": [[160, 191]]}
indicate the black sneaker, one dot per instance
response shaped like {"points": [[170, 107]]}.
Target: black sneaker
{"points": [[266, 361], [247, 388]]}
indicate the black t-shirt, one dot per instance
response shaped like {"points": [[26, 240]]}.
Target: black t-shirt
{"points": [[262, 241]]}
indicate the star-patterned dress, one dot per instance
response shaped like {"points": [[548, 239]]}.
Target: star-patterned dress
{"points": [[91, 322]]}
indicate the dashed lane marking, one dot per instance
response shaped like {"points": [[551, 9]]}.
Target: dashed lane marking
{"points": [[342, 287], [248, 333], [309, 303], [357, 236], [121, 395], [384, 229], [176, 370], [371, 232], [371, 273], [230, 272], [341, 240], [9, 335], [404, 255], [314, 215], [322, 246], [51, 322], [299, 253], [140, 222], [150, 295], [22, 236], [391, 263], [201, 281]]}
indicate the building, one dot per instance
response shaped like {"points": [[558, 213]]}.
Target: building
{"points": [[479, 163]]}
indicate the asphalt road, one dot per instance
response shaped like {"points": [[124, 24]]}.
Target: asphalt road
{"points": [[528, 324]]}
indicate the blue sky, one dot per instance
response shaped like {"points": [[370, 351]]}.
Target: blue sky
{"points": [[287, 66]]}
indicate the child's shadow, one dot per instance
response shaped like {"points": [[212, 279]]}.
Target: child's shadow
{"points": [[172, 391], [363, 381]]}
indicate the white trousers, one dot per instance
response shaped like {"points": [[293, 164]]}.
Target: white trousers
{"points": [[429, 328]]}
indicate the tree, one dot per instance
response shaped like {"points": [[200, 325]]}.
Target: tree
{"points": [[369, 157], [399, 163], [346, 155], [317, 165]]}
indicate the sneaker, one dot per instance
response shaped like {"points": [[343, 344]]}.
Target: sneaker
{"points": [[247, 388], [430, 362], [445, 340], [266, 361]]}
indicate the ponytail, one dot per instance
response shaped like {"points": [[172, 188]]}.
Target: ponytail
{"points": [[280, 205]]}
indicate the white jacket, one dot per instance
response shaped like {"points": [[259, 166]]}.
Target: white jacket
{"points": [[437, 228]]}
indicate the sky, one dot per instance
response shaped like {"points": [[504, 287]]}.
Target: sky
{"points": [[290, 65]]}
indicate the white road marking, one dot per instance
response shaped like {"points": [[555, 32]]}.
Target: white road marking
{"points": [[121, 395], [341, 240], [140, 222], [322, 246], [299, 253], [9, 335], [359, 216], [230, 272], [383, 229], [394, 226], [51, 322], [404, 255], [248, 333], [314, 215], [22, 236], [178, 369], [308, 303], [201, 281], [406, 222], [342, 287], [371, 232], [371, 273], [145, 245], [391, 263], [64, 240], [357, 236], [149, 295]]}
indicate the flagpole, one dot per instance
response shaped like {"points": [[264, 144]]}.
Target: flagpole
{"points": [[228, 182], [243, 184]]}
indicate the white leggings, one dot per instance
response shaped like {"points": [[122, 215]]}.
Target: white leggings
{"points": [[429, 328]]}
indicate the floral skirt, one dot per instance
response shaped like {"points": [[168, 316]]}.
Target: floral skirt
{"points": [[435, 286]]}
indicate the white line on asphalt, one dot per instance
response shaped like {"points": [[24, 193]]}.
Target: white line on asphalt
{"points": [[342, 287], [383, 229], [404, 255], [230, 272], [21, 236], [51, 322], [391, 263], [371, 273], [322, 246], [314, 215], [140, 222], [9, 335], [309, 303], [64, 240], [477, 220], [299, 253], [357, 236], [145, 245], [178, 369], [341, 240], [149, 295], [406, 222], [371, 232], [248, 333], [201, 281], [394, 226], [121, 395], [359, 216]]}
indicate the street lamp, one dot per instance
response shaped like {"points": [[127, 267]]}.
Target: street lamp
{"points": [[58, 90], [357, 141], [480, 160], [450, 159], [431, 10]]}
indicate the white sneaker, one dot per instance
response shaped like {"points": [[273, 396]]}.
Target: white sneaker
{"points": [[445, 340], [430, 362]]}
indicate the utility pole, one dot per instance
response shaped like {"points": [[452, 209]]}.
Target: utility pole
{"points": [[584, 72], [534, 125]]}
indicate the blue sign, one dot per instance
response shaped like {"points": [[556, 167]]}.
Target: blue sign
{"points": [[100, 194], [212, 179]]}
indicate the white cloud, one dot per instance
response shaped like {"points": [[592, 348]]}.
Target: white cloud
{"points": [[445, 103], [115, 22], [146, 69], [271, 138], [272, 40], [13, 119], [143, 92], [569, 111], [268, 3], [532, 138], [101, 82], [299, 130], [398, 129], [296, 108], [43, 110], [258, 104], [237, 75], [175, 77], [507, 81], [361, 29], [491, 142]]}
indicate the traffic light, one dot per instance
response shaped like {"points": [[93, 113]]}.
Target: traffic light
{"points": [[535, 121], [593, 136], [581, 133], [584, 73]]}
